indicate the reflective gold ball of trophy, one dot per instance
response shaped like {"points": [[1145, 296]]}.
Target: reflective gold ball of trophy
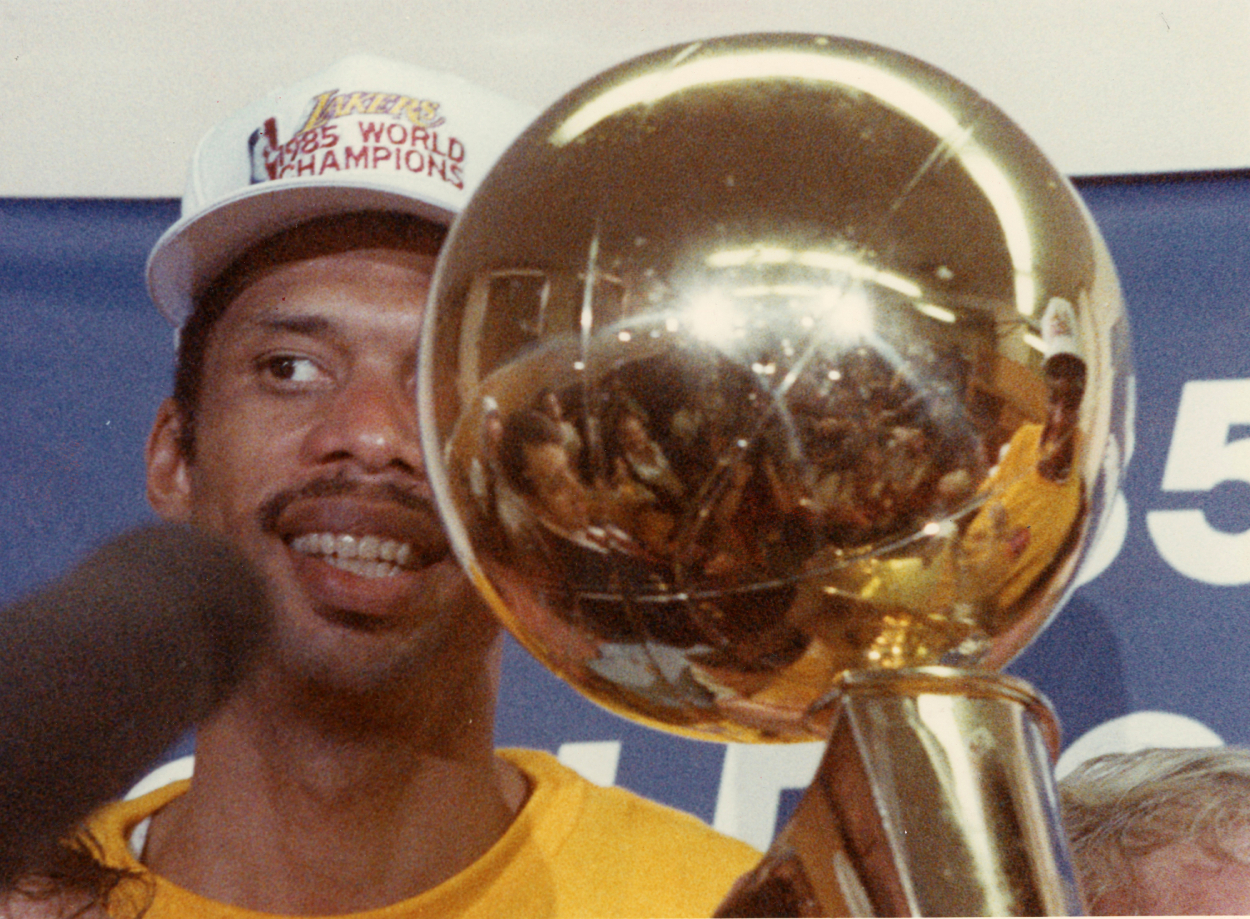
{"points": [[762, 360]]}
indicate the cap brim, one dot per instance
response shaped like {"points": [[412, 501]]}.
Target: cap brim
{"points": [[196, 250]]}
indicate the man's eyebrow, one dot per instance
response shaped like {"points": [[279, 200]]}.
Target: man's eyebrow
{"points": [[299, 325]]}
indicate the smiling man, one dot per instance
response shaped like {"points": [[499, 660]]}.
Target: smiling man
{"points": [[354, 771]]}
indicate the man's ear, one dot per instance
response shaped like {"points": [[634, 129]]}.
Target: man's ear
{"points": [[169, 473]]}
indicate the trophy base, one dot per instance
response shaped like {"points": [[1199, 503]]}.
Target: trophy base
{"points": [[934, 798]]}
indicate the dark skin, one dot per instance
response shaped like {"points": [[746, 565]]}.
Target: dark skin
{"points": [[356, 768], [1063, 407]]}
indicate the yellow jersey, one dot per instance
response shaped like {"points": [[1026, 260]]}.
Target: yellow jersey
{"points": [[575, 849]]}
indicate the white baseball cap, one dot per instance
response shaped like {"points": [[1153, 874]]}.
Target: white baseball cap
{"points": [[1060, 333], [367, 134]]}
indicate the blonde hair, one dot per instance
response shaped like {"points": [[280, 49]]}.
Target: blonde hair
{"points": [[1122, 806]]}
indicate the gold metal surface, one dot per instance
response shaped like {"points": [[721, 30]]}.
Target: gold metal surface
{"points": [[764, 360], [934, 799]]}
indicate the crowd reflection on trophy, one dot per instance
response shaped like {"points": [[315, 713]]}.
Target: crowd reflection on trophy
{"points": [[770, 382]]}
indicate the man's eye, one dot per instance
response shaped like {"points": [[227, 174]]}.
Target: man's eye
{"points": [[291, 369]]}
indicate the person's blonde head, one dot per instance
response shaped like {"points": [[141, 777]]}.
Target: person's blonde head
{"points": [[1122, 807]]}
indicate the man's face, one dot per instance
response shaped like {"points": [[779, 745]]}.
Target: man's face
{"points": [[308, 457], [633, 435], [1183, 879], [1063, 412], [561, 497]]}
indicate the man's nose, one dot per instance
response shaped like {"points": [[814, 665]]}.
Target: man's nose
{"points": [[371, 422]]}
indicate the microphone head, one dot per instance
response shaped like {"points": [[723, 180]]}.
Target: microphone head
{"points": [[104, 669], [183, 599]]}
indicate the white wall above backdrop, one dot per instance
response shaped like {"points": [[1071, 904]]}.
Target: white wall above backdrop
{"points": [[105, 98]]}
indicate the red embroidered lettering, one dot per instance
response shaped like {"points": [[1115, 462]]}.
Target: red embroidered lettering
{"points": [[371, 131]]}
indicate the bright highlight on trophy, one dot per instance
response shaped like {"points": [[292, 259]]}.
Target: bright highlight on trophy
{"points": [[763, 360]]}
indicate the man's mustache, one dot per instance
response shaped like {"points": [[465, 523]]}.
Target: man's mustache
{"points": [[338, 486]]}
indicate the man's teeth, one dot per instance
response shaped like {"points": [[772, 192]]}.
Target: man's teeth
{"points": [[365, 556]]}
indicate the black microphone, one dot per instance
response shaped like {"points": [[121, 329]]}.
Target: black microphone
{"points": [[103, 670]]}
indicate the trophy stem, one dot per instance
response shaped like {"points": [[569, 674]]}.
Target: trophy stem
{"points": [[934, 798]]}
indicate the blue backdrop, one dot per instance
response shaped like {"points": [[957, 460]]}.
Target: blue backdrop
{"points": [[84, 359]]}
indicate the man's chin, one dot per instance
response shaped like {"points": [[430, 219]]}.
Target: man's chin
{"points": [[441, 627]]}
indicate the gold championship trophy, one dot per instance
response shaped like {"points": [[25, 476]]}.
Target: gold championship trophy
{"points": [[766, 388]]}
